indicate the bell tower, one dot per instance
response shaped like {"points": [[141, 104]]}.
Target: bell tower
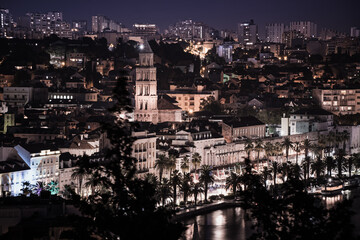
{"points": [[146, 87]]}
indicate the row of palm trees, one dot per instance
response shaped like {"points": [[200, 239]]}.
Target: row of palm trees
{"points": [[183, 183], [332, 142], [320, 168], [164, 163], [323, 164]]}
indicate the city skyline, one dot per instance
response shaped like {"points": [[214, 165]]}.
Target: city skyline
{"points": [[165, 14]]}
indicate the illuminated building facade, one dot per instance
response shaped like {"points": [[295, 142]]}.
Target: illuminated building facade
{"points": [[307, 28], [146, 87], [145, 30], [50, 23], [101, 23], [248, 33], [31, 163], [6, 22], [338, 101], [274, 32]]}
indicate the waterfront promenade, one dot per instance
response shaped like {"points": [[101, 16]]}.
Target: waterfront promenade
{"points": [[199, 210]]}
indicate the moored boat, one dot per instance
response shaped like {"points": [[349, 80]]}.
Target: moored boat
{"points": [[333, 187]]}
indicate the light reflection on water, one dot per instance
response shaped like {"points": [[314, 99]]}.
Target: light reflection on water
{"points": [[330, 201], [221, 224], [229, 224]]}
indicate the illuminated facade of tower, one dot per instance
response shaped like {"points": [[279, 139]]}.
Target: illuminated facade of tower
{"points": [[146, 98]]}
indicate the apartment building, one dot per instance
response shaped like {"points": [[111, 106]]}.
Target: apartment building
{"points": [[338, 101], [189, 98]]}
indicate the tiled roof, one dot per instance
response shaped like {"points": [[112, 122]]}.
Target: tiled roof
{"points": [[164, 104]]}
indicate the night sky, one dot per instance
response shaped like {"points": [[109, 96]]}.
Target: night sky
{"points": [[335, 14]]}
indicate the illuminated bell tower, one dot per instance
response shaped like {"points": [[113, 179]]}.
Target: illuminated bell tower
{"points": [[146, 87]]}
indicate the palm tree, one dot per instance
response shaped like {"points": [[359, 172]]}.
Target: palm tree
{"points": [[295, 171], [53, 187], [81, 171], [96, 181], [196, 189], [287, 144], [247, 175], [175, 182], [307, 167], [338, 139], [26, 188], [161, 164], [275, 170], [196, 160], [171, 165], [79, 174], [184, 164], [232, 181], [350, 163], [266, 175], [297, 149], [249, 146], [322, 145], [269, 149], [206, 177], [277, 150], [68, 190], [345, 137], [164, 191], [339, 161], [39, 187], [258, 148], [330, 164], [318, 167], [185, 186], [151, 178], [285, 171], [328, 142], [332, 140], [306, 146]]}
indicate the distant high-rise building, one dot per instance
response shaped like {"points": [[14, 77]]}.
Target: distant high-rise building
{"points": [[354, 32], [274, 32], [6, 22], [101, 23], [248, 33], [226, 51], [293, 38], [188, 29], [307, 28], [79, 25], [228, 34], [327, 34], [49, 23], [145, 30]]}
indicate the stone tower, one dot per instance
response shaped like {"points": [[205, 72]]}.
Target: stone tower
{"points": [[146, 87]]}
